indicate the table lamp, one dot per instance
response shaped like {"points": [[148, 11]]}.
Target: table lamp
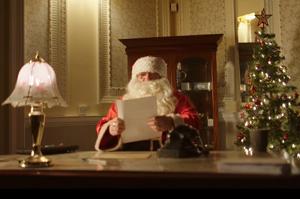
{"points": [[36, 87]]}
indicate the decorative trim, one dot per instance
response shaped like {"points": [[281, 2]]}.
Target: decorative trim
{"points": [[68, 121], [184, 17], [231, 54], [57, 43], [107, 92], [272, 7], [157, 18], [163, 17], [100, 136]]}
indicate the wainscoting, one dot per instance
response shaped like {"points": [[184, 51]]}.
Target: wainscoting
{"points": [[68, 131], [81, 131], [228, 130]]}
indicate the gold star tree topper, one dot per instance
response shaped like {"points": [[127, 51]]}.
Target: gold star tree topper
{"points": [[263, 18]]}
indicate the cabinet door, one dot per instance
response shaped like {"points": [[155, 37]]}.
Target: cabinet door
{"points": [[193, 78]]}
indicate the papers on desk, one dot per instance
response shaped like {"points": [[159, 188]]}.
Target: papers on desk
{"points": [[100, 158], [254, 165], [122, 155], [135, 113]]}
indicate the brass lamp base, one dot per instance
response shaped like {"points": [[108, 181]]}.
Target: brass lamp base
{"points": [[35, 162], [37, 121]]}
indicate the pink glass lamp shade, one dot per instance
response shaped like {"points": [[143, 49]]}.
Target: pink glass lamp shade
{"points": [[36, 84], [36, 87]]}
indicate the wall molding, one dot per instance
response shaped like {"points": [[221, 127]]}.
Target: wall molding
{"points": [[231, 71], [107, 92], [57, 44], [68, 121], [184, 22], [272, 7], [163, 18]]}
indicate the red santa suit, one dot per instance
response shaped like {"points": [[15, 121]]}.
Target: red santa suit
{"points": [[185, 113]]}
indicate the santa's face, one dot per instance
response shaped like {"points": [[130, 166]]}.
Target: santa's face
{"points": [[147, 76], [158, 86]]}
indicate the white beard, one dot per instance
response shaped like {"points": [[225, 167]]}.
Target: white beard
{"points": [[160, 88]]}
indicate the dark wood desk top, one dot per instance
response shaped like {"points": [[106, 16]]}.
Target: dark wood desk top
{"points": [[145, 170]]}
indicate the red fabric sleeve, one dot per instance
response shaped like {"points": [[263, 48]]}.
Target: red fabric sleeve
{"points": [[108, 141], [112, 113], [187, 110]]}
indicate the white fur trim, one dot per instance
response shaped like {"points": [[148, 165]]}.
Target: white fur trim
{"points": [[100, 136], [149, 64]]}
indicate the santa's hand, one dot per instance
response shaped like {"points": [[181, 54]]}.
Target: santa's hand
{"points": [[116, 126], [161, 123]]}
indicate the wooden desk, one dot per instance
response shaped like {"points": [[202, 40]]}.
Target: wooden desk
{"points": [[71, 171]]}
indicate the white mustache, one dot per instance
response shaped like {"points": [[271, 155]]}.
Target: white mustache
{"points": [[160, 88]]}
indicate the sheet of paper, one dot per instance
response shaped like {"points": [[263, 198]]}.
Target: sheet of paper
{"points": [[135, 113], [122, 155]]}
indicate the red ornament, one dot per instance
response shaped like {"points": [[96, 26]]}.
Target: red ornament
{"points": [[296, 95], [252, 89], [247, 106], [257, 102], [240, 136], [284, 97], [285, 136], [262, 43]]}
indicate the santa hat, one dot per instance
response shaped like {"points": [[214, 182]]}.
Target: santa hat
{"points": [[149, 64]]}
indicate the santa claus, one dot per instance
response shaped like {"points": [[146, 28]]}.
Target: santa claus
{"points": [[148, 78]]}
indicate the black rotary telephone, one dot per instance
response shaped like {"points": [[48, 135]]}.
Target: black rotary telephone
{"points": [[183, 141]]}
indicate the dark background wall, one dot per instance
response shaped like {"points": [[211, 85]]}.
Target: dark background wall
{"points": [[4, 15], [11, 59]]}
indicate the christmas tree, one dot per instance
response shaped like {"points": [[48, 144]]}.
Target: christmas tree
{"points": [[272, 101]]}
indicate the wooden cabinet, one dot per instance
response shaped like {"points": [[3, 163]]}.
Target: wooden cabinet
{"points": [[191, 68]]}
